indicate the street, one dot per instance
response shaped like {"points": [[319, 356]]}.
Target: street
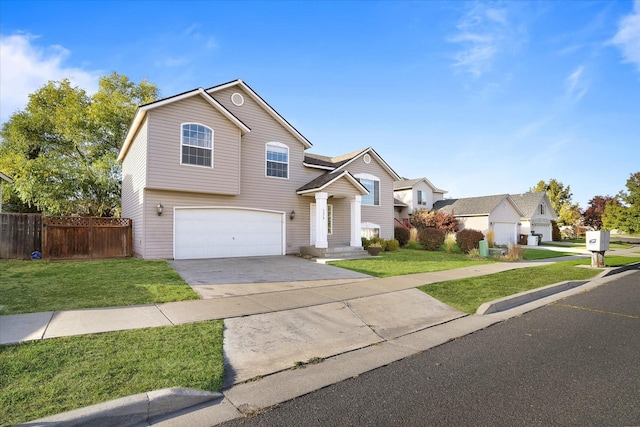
{"points": [[574, 362]]}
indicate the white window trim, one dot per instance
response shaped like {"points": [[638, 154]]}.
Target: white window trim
{"points": [[266, 149], [370, 177], [212, 145]]}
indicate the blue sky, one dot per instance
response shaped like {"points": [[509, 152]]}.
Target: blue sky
{"points": [[479, 97]]}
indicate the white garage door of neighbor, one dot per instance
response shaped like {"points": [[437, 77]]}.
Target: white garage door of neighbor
{"points": [[544, 229], [227, 232], [504, 232]]}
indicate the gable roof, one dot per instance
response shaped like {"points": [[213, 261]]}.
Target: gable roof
{"points": [[258, 99], [4, 177], [405, 184], [529, 202], [341, 162], [141, 112], [474, 206], [327, 179]]}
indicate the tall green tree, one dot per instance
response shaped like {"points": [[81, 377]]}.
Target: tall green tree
{"points": [[560, 197], [625, 215], [61, 150]]}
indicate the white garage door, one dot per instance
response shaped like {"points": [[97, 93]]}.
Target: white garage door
{"points": [[504, 232], [227, 232], [544, 229]]}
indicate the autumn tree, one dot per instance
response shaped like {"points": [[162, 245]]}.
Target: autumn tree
{"points": [[625, 214], [592, 216], [424, 218], [560, 198], [61, 150]]}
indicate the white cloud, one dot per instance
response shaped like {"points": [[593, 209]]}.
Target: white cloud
{"points": [[628, 36], [575, 85], [26, 67], [483, 33]]}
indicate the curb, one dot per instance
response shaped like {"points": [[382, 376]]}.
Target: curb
{"points": [[130, 410]]}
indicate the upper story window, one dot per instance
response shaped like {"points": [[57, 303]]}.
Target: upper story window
{"points": [[277, 160], [422, 197], [197, 145], [372, 184]]}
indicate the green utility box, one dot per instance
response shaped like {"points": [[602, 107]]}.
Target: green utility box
{"points": [[484, 248]]}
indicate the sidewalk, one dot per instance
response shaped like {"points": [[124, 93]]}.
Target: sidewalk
{"points": [[267, 298]]}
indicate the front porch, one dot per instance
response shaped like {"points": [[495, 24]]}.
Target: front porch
{"points": [[335, 252]]}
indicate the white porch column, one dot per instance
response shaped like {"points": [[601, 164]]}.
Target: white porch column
{"points": [[322, 219], [356, 222]]}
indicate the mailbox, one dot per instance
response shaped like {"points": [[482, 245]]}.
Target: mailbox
{"points": [[597, 241]]}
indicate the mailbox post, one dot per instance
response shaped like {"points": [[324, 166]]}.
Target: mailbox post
{"points": [[597, 243]]}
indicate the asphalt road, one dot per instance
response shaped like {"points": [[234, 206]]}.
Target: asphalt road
{"points": [[574, 362]]}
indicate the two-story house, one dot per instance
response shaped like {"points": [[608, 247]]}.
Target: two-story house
{"points": [[219, 173], [413, 194]]}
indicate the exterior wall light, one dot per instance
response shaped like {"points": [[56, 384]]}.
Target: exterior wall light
{"points": [[292, 215], [159, 209]]}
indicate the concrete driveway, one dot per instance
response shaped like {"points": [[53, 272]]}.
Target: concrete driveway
{"points": [[223, 277]]}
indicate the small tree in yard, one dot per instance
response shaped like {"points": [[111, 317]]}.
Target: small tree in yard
{"points": [[423, 218], [402, 235], [469, 239], [431, 238]]}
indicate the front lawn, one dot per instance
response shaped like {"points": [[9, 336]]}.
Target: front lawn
{"points": [[409, 261], [35, 286], [534, 254], [468, 294], [42, 378]]}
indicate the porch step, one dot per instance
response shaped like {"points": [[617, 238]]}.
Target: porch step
{"points": [[336, 252]]}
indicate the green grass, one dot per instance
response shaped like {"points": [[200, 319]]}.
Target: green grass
{"points": [[408, 261], [34, 286], [533, 254], [43, 378], [468, 294]]}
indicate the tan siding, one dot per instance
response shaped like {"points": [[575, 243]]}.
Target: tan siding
{"points": [[133, 183], [382, 214], [341, 222], [165, 170]]}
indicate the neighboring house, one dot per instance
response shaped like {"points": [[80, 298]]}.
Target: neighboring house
{"points": [[3, 177], [499, 213], [219, 173], [412, 194], [538, 214]]}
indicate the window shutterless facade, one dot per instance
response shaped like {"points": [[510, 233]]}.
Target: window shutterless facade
{"points": [[373, 186], [277, 160], [197, 145]]}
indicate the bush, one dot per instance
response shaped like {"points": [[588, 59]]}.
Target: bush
{"points": [[491, 239], [450, 243], [402, 235], [469, 239], [556, 236], [392, 245], [379, 241], [514, 253], [365, 243], [431, 238], [413, 245]]}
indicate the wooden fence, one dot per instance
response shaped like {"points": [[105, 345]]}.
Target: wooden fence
{"points": [[86, 237], [20, 235], [64, 237]]}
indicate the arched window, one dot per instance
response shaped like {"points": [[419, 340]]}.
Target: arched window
{"points": [[197, 145]]}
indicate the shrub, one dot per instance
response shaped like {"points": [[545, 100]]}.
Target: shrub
{"points": [[491, 238], [474, 254], [469, 239], [402, 235], [556, 236], [431, 238], [450, 243], [392, 245], [423, 218], [413, 235], [514, 253], [379, 241], [365, 243], [413, 245]]}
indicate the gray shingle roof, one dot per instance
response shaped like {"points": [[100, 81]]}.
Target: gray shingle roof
{"points": [[528, 202], [470, 205]]}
